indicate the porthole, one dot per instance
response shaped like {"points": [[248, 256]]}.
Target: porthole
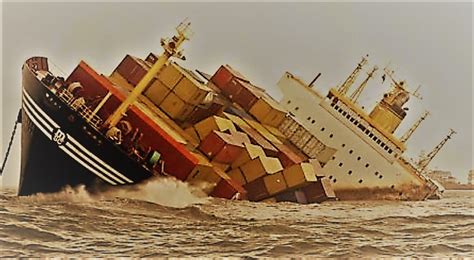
{"points": [[297, 108], [380, 176], [400, 194], [309, 118], [343, 145], [334, 180], [330, 177], [350, 151], [376, 173], [288, 102], [358, 158], [360, 181], [349, 172], [392, 187], [313, 121], [322, 129], [331, 135], [341, 164], [367, 165]]}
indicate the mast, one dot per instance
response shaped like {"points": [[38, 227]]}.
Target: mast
{"points": [[356, 94], [171, 49], [423, 162], [412, 129], [350, 80]]}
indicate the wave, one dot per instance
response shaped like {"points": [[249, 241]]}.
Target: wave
{"points": [[167, 192]]}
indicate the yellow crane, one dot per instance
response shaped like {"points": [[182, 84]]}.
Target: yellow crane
{"points": [[350, 80], [171, 49], [412, 129], [425, 160]]}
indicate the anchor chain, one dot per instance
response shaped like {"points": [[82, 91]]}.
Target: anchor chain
{"points": [[18, 120]]}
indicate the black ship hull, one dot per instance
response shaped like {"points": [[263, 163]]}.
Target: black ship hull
{"points": [[60, 148]]}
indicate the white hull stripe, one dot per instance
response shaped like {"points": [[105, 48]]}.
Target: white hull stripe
{"points": [[48, 134], [75, 142]]}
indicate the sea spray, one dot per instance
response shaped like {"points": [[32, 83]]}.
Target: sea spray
{"points": [[168, 192]]}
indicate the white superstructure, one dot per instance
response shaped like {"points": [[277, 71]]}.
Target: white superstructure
{"points": [[368, 162]]}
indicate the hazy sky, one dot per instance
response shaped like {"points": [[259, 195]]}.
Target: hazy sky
{"points": [[427, 43]]}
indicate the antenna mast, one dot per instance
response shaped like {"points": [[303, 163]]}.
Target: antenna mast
{"points": [[412, 129], [350, 80], [423, 163], [356, 94]]}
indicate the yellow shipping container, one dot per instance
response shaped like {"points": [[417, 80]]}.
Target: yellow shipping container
{"points": [[190, 90], [206, 126], [268, 112], [237, 175], [170, 75], [251, 152], [263, 131], [157, 91], [259, 167], [299, 174], [275, 183], [175, 107]]}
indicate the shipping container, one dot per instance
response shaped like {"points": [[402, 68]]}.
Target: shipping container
{"points": [[192, 134], [250, 152], [224, 75], [248, 94], [204, 111], [259, 167], [237, 175], [256, 190], [326, 154], [170, 75], [317, 192], [204, 172], [190, 88], [214, 123], [268, 111], [287, 156], [275, 183], [299, 175], [263, 131], [222, 147], [227, 188], [156, 91], [318, 170], [175, 107], [223, 166]]}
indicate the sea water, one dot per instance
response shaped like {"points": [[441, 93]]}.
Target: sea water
{"points": [[165, 218]]}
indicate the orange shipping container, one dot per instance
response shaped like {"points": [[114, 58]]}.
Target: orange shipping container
{"points": [[267, 111], [227, 188], [190, 89]]}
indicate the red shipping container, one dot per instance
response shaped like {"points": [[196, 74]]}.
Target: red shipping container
{"points": [[246, 96], [256, 190], [228, 188], [258, 139], [287, 156], [222, 147], [179, 162]]}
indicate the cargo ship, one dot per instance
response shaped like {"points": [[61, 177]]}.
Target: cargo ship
{"points": [[153, 118], [369, 162]]}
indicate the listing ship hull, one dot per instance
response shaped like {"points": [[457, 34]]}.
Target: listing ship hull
{"points": [[59, 148]]}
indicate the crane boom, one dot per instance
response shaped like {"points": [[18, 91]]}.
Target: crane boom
{"points": [[350, 80], [356, 94], [412, 129], [423, 163]]}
